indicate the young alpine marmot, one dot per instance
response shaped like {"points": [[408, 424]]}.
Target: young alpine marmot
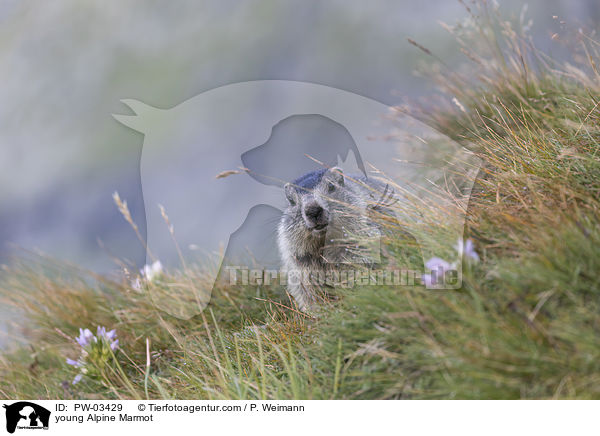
{"points": [[328, 228]]}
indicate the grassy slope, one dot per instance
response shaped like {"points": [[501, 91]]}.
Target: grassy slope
{"points": [[525, 324]]}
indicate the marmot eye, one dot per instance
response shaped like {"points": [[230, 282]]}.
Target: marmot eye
{"points": [[330, 187]]}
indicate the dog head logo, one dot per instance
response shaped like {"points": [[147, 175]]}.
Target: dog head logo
{"points": [[26, 415], [218, 162]]}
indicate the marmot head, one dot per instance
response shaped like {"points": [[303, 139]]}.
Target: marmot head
{"points": [[322, 205]]}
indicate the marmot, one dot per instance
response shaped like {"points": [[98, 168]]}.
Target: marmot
{"points": [[328, 227]]}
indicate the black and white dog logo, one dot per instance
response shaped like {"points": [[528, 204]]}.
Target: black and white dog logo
{"points": [[26, 415]]}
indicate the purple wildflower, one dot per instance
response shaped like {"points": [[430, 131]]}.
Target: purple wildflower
{"points": [[84, 337], [438, 268], [437, 264], [108, 337], [467, 249], [114, 345], [150, 272], [93, 347], [73, 362], [147, 275], [111, 335]]}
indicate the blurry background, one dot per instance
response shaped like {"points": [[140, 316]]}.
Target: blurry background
{"points": [[66, 64]]}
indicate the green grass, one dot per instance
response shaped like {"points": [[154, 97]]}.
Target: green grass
{"points": [[525, 324]]}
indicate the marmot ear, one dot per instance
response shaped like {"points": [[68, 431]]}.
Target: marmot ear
{"points": [[337, 175], [290, 194]]}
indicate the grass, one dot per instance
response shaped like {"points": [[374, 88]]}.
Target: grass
{"points": [[524, 324]]}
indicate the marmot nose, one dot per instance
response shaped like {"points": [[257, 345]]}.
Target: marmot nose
{"points": [[315, 213]]}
